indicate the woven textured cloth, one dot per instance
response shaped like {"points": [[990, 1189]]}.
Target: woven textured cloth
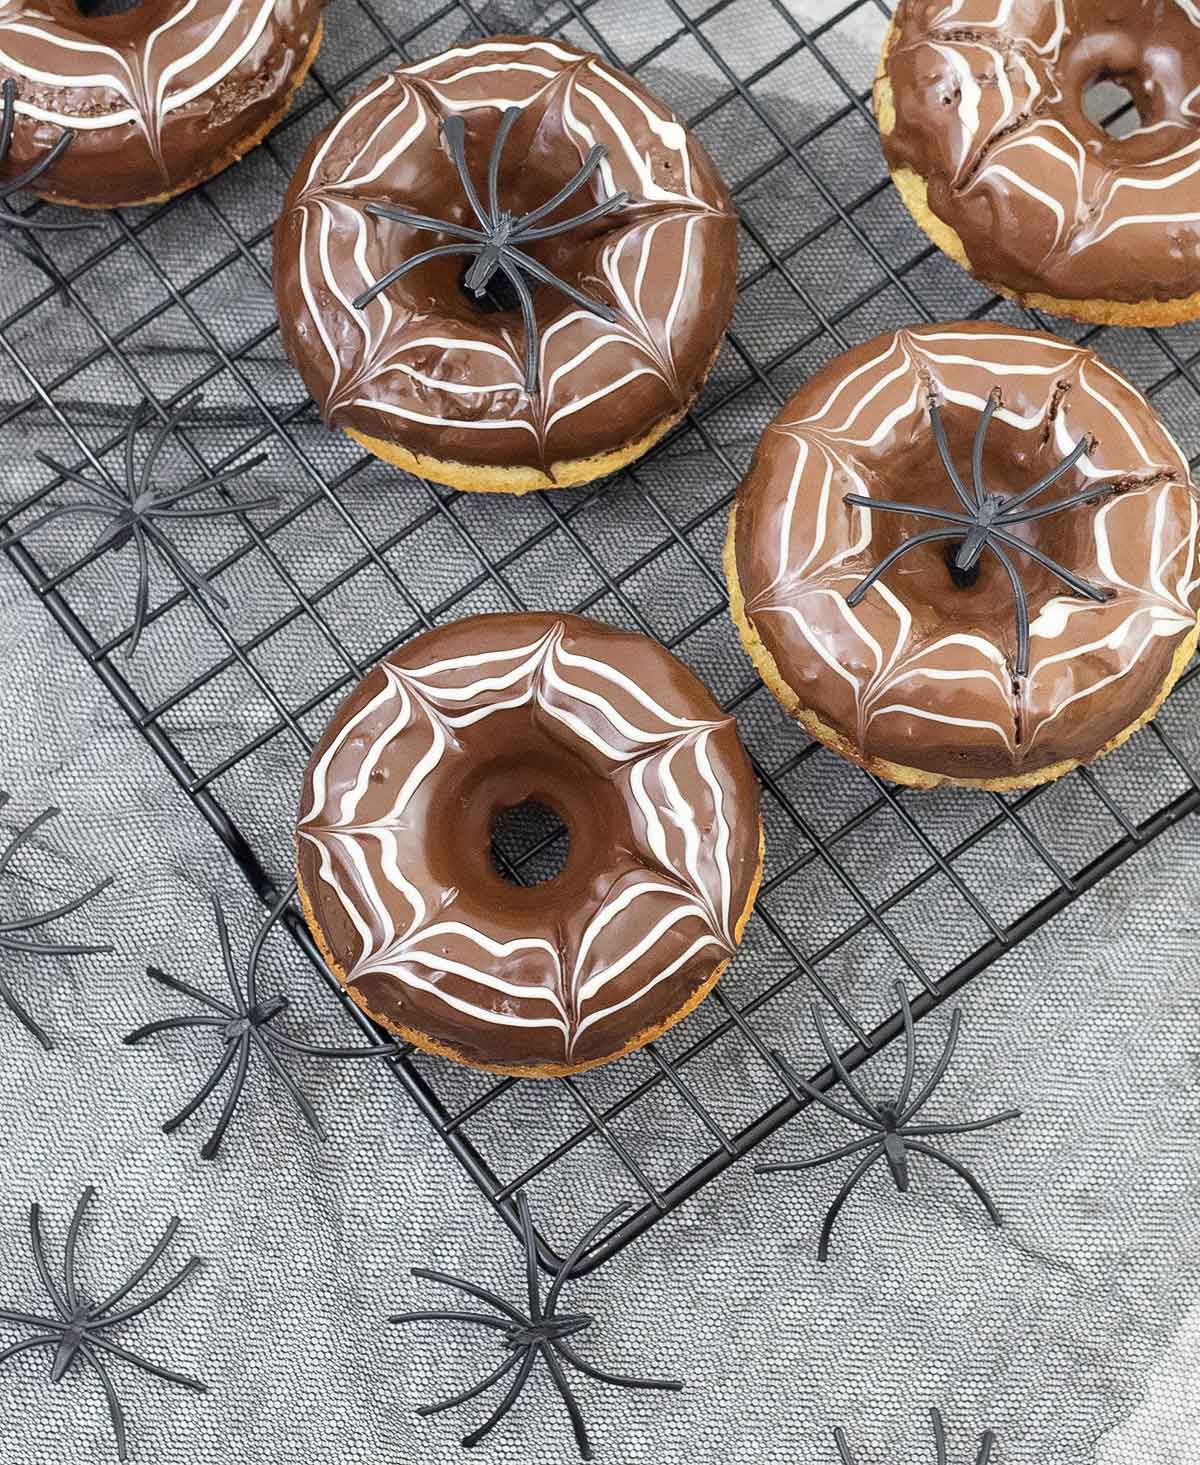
{"points": [[1073, 1331]]}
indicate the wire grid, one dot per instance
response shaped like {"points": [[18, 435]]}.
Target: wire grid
{"points": [[863, 881]]}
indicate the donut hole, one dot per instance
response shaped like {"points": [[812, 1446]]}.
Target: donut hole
{"points": [[1112, 107], [107, 7], [530, 844], [499, 295]]}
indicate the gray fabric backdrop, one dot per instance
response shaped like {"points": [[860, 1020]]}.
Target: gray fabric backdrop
{"points": [[1074, 1332]]}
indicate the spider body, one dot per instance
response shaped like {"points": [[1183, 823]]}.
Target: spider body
{"points": [[892, 1135], [540, 1331], [78, 1331], [244, 1027], [496, 244]]}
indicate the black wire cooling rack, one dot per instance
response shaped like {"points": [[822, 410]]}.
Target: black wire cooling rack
{"points": [[864, 882]]}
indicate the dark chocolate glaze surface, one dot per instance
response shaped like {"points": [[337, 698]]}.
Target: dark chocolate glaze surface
{"points": [[608, 730], [153, 94], [989, 102], [923, 671], [422, 364]]}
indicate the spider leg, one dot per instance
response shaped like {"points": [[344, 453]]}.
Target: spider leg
{"points": [[23, 836], [44, 917], [170, 1024], [425, 221], [840, 1199], [1081, 587], [220, 511], [165, 428], [298, 1096], [43, 1340], [141, 604], [893, 506], [212, 1144], [910, 1048], [964, 1128], [507, 118], [843, 1447], [115, 1412], [27, 1319], [529, 1242], [8, 98], [562, 1384], [210, 480], [1081, 448], [210, 1083], [146, 1366], [452, 1401], [937, 1073], [939, 1434], [50, 948], [529, 320], [548, 277], [792, 1078], [455, 131], [427, 1315], [69, 1286], [26, 1019], [313, 1050], [136, 418], [39, 1260], [621, 1380], [360, 302], [981, 432], [23, 180], [177, 984], [1088, 495], [144, 1270], [227, 955], [572, 186], [257, 944], [943, 447], [987, 1441], [55, 513], [505, 1404], [839, 1154], [960, 1170], [564, 1272], [840, 1068], [597, 211], [890, 559], [73, 476], [157, 1295], [427, 1274]]}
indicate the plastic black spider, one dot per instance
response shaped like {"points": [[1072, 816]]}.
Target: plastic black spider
{"points": [[10, 217], [80, 1328], [543, 1331], [986, 524], [494, 243], [893, 1135], [12, 931], [244, 1028], [987, 1441], [141, 508]]}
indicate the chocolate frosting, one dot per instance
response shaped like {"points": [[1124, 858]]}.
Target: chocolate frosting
{"points": [[923, 671], [608, 730], [989, 102], [155, 95], [422, 364]]}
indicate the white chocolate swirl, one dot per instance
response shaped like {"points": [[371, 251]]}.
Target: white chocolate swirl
{"points": [[668, 908], [900, 661]]}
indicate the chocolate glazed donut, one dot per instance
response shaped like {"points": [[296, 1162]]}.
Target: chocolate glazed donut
{"points": [[612, 733], [863, 621], [981, 110], [422, 373], [158, 98]]}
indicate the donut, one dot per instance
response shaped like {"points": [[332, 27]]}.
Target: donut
{"points": [[155, 99], [510, 360], [610, 732], [981, 109], [967, 553]]}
